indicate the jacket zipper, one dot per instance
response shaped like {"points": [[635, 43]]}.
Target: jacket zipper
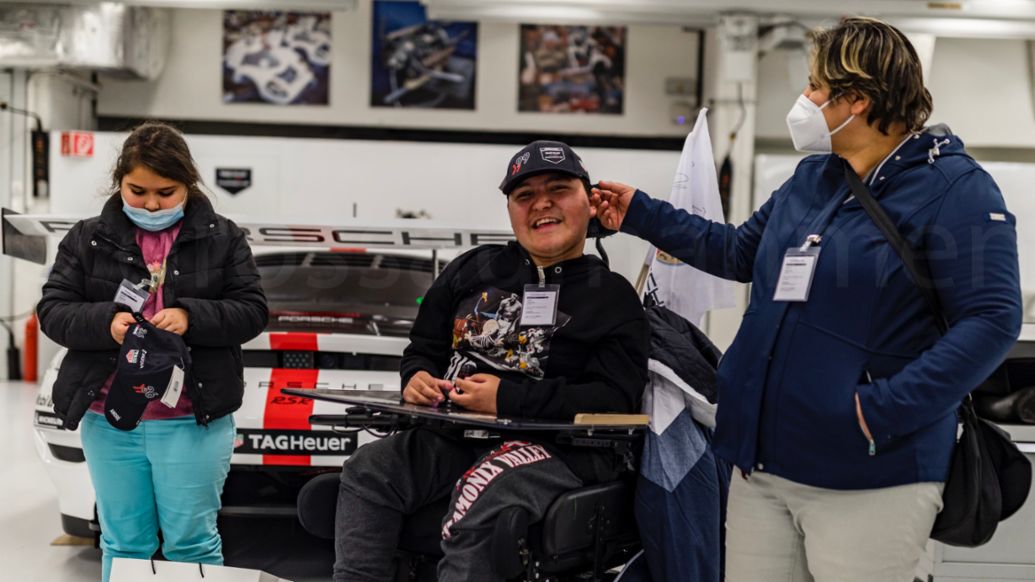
{"points": [[873, 444]]}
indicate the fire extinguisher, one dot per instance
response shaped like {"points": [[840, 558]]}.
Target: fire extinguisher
{"points": [[30, 357]]}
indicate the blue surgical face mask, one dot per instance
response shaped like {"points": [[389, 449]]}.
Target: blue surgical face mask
{"points": [[153, 221]]}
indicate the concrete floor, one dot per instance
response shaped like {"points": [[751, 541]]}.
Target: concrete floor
{"points": [[30, 521], [29, 518]]}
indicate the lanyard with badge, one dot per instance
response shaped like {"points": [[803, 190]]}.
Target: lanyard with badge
{"points": [[539, 306], [799, 266], [134, 295], [799, 263]]}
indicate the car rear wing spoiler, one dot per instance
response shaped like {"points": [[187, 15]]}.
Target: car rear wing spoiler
{"points": [[25, 235]]}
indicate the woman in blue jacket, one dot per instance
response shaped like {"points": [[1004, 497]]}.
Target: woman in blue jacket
{"points": [[838, 396]]}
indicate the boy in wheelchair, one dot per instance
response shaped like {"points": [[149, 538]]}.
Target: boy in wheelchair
{"points": [[534, 329]]}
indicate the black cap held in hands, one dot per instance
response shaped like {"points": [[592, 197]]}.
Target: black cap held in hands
{"points": [[143, 372]]}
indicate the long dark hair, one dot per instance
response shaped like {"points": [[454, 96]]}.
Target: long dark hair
{"points": [[162, 149]]}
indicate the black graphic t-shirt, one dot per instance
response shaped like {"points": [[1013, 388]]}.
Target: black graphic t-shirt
{"points": [[487, 328], [593, 359]]}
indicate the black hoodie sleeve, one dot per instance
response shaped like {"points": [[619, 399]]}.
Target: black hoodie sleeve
{"points": [[431, 337], [64, 312], [241, 313], [613, 380]]}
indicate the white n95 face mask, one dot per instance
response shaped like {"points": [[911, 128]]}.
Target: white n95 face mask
{"points": [[808, 127]]}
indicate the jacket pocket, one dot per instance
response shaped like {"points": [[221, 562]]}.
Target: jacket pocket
{"points": [[218, 384], [816, 404]]}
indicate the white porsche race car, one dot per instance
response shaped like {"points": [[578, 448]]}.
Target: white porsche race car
{"points": [[337, 320]]}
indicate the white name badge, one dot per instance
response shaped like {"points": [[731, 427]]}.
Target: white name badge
{"points": [[131, 296], [539, 306], [172, 392], [796, 275]]}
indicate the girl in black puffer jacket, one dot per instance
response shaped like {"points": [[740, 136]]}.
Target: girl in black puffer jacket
{"points": [[158, 229]]}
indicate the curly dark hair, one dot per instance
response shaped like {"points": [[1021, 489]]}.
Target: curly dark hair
{"points": [[869, 57], [162, 149]]}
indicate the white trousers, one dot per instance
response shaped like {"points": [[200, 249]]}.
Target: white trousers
{"points": [[781, 531]]}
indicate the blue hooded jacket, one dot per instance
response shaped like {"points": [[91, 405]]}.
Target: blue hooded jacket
{"points": [[788, 382]]}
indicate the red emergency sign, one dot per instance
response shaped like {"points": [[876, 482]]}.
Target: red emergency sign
{"points": [[77, 144]]}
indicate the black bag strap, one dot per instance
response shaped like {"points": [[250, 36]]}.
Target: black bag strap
{"points": [[918, 271]]}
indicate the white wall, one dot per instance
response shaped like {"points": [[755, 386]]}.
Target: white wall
{"points": [[7, 122], [981, 88], [190, 87], [318, 181], [64, 100], [15, 193], [782, 75]]}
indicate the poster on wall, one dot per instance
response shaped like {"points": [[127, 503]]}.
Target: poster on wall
{"points": [[421, 63], [569, 69], [283, 58]]}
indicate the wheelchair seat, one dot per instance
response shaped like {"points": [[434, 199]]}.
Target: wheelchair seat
{"points": [[586, 530]]}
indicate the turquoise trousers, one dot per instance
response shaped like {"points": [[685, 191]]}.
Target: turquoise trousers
{"points": [[164, 475]]}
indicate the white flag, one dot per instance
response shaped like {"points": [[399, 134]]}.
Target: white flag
{"points": [[683, 289]]}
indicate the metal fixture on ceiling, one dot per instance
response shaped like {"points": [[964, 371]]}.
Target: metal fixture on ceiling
{"points": [[329, 5], [958, 18], [107, 37]]}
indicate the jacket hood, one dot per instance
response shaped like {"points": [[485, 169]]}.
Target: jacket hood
{"points": [[926, 147], [931, 147]]}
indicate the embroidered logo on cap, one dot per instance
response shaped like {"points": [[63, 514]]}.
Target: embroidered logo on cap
{"points": [[132, 355], [149, 392], [518, 162], [554, 155]]}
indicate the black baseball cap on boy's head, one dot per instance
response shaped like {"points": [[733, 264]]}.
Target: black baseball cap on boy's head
{"points": [[143, 372], [542, 157]]}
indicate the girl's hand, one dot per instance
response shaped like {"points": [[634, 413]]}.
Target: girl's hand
{"points": [[120, 325], [172, 319]]}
